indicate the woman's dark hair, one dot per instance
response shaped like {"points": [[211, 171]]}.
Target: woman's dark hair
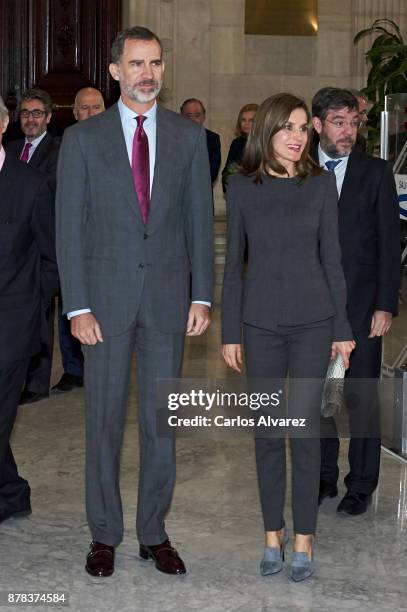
{"points": [[271, 117]]}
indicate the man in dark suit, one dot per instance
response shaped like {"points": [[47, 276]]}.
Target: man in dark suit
{"points": [[361, 143], [369, 237], [134, 226], [195, 110], [39, 150], [27, 257], [88, 103]]}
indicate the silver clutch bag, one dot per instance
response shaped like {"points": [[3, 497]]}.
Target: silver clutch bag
{"points": [[332, 397]]}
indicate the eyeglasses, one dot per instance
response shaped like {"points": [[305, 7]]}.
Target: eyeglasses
{"points": [[36, 113], [339, 124]]}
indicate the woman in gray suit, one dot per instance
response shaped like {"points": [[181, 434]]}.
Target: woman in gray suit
{"points": [[290, 301]]}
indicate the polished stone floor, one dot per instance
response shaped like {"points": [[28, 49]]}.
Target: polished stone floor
{"points": [[215, 522]]}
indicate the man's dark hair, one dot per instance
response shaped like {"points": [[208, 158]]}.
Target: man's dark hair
{"points": [[134, 33], [332, 98], [37, 94], [185, 102]]}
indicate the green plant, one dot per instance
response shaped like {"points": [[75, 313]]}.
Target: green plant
{"points": [[388, 72]]}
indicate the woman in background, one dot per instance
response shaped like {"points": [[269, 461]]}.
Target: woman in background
{"points": [[243, 127], [291, 303]]}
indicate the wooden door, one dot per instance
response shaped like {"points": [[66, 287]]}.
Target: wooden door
{"points": [[58, 45]]}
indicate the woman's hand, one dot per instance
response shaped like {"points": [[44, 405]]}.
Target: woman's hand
{"points": [[232, 354], [344, 348]]}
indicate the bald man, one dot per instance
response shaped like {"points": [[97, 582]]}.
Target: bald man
{"points": [[88, 102]]}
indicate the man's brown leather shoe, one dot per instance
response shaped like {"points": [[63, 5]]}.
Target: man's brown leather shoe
{"points": [[166, 558], [100, 559]]}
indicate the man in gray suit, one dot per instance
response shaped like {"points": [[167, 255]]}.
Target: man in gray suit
{"points": [[134, 228]]}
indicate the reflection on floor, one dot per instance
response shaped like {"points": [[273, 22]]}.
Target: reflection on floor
{"points": [[215, 522]]}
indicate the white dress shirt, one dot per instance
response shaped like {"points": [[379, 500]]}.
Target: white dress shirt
{"points": [[339, 170], [129, 125], [34, 144], [2, 157]]}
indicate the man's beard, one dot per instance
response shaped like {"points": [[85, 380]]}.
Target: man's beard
{"points": [[331, 150], [140, 96]]}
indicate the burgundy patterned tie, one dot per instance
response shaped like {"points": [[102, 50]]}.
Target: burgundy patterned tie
{"points": [[26, 150], [140, 166]]}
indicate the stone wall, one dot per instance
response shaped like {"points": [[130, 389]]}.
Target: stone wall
{"points": [[209, 57]]}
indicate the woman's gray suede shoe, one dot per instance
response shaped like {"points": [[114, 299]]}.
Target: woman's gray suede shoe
{"points": [[273, 558], [302, 566]]}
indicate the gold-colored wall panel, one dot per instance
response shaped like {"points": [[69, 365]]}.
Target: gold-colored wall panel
{"points": [[282, 17]]}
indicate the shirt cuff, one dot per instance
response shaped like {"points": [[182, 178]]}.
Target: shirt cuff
{"points": [[75, 313], [204, 303]]}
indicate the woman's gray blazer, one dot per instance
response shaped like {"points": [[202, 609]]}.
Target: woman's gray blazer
{"points": [[294, 274]]}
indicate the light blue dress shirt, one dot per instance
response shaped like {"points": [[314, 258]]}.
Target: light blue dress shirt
{"points": [[339, 170], [34, 144]]}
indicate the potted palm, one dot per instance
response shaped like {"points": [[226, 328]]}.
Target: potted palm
{"points": [[388, 72]]}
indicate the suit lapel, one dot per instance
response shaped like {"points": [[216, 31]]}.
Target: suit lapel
{"points": [[118, 160], [166, 147], [40, 152], [350, 180], [7, 187]]}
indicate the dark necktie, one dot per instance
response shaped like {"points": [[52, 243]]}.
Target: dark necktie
{"points": [[332, 163], [26, 150], [140, 166]]}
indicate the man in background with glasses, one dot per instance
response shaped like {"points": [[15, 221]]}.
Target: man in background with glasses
{"points": [[88, 103], [361, 144], [40, 150], [369, 237]]}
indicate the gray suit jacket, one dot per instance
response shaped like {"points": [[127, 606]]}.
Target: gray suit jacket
{"points": [[294, 274], [107, 257]]}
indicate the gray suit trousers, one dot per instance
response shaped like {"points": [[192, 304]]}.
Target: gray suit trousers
{"points": [[107, 373]]}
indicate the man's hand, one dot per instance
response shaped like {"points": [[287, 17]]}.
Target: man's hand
{"points": [[86, 329], [232, 354], [344, 348], [381, 323], [199, 318]]}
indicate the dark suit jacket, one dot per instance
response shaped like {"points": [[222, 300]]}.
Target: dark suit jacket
{"points": [[235, 157], [108, 258], [44, 158], [26, 248], [360, 144], [213, 144], [294, 274], [369, 234]]}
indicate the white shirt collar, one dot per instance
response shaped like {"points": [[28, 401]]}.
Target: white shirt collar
{"points": [[127, 113], [34, 143], [323, 158], [2, 157]]}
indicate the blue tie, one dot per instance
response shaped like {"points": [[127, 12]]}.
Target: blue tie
{"points": [[332, 163]]}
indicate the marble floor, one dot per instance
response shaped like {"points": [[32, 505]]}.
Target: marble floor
{"points": [[215, 522]]}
